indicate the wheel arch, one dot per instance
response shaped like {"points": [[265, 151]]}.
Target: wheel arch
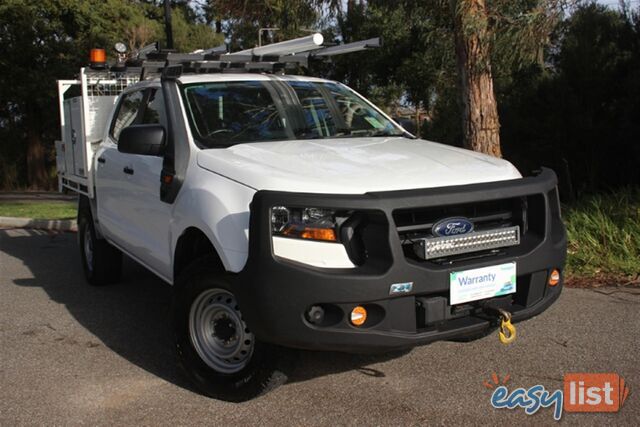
{"points": [[89, 205], [192, 244]]}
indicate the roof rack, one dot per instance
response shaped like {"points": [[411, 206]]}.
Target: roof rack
{"points": [[273, 58]]}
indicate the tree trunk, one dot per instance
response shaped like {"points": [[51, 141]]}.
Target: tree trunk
{"points": [[37, 176], [481, 125]]}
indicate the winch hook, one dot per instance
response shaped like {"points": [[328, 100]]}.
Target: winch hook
{"points": [[506, 331]]}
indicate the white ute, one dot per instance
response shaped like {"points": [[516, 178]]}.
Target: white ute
{"points": [[289, 211]]}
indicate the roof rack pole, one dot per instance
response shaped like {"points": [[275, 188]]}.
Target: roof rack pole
{"points": [[301, 44], [347, 48]]}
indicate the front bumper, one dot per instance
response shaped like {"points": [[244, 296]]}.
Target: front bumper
{"points": [[275, 294]]}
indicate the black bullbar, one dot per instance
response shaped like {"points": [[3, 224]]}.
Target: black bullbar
{"points": [[281, 299]]}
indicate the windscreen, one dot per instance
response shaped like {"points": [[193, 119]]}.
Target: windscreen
{"points": [[222, 114]]}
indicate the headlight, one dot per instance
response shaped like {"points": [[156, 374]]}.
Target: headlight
{"points": [[305, 223]]}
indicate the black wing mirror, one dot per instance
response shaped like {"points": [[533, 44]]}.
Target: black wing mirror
{"points": [[147, 140]]}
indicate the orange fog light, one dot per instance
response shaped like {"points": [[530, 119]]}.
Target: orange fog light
{"points": [[554, 277], [358, 316]]}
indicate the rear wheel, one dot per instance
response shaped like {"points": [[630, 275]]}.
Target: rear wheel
{"points": [[101, 262], [215, 347]]}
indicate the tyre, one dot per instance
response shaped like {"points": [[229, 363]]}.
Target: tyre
{"points": [[101, 262], [215, 347]]}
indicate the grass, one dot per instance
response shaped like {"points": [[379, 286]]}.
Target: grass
{"points": [[604, 237], [39, 210]]}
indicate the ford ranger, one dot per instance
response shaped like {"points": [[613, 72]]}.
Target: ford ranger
{"points": [[289, 211]]}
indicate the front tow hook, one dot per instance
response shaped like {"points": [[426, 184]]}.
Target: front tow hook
{"points": [[506, 331]]}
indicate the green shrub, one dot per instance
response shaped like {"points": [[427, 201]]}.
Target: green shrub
{"points": [[604, 234]]}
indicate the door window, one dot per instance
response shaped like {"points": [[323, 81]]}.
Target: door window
{"points": [[127, 112], [154, 112]]}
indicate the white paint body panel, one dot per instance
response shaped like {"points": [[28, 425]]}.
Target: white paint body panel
{"points": [[353, 165], [220, 183], [218, 207]]}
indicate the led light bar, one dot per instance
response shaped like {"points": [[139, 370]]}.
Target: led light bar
{"points": [[436, 247]]}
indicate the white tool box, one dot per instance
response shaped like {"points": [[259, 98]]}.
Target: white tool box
{"points": [[85, 105]]}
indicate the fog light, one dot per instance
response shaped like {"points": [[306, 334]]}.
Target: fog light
{"points": [[554, 277], [358, 316], [315, 315]]}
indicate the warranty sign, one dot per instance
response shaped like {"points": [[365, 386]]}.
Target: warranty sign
{"points": [[482, 283]]}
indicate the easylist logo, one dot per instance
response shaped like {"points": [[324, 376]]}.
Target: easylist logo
{"points": [[582, 392]]}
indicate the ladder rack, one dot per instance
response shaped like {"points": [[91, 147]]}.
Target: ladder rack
{"points": [[274, 58]]}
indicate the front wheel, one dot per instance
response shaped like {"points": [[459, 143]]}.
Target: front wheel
{"points": [[215, 347]]}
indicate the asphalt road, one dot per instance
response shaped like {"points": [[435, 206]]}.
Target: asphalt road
{"points": [[73, 354]]}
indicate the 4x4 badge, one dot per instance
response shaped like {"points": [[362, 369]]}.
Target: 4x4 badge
{"points": [[400, 288]]}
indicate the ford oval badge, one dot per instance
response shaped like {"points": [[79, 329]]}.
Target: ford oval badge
{"points": [[452, 227]]}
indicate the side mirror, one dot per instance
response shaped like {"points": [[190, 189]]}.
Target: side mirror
{"points": [[147, 140]]}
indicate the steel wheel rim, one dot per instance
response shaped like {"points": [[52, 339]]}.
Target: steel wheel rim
{"points": [[218, 333], [88, 249]]}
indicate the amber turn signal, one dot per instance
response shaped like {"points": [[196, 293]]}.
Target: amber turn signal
{"points": [[554, 277], [358, 316], [311, 233]]}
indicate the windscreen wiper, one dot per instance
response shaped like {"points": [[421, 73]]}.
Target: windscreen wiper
{"points": [[307, 133], [383, 132]]}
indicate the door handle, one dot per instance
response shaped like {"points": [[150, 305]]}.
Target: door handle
{"points": [[102, 160], [128, 170]]}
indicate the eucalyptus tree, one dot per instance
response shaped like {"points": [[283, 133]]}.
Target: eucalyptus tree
{"points": [[432, 46], [517, 31]]}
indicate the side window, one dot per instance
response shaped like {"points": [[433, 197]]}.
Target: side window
{"points": [[127, 112], [155, 111]]}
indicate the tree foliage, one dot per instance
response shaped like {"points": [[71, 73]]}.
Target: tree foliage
{"points": [[567, 84], [242, 19], [580, 114], [46, 40]]}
